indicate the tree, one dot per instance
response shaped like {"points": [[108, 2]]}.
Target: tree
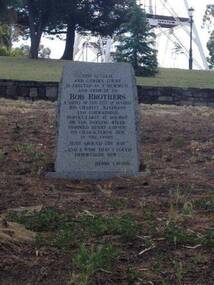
{"points": [[8, 31], [34, 15], [208, 21], [33, 18], [66, 16], [5, 36], [95, 16], [136, 43], [3, 9], [210, 46]]}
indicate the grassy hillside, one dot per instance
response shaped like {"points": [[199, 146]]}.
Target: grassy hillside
{"points": [[50, 70], [180, 78], [19, 68]]}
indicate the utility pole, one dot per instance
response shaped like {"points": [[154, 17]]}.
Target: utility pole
{"points": [[191, 10]]}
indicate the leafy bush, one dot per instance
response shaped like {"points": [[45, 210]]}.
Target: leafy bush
{"points": [[4, 51]]}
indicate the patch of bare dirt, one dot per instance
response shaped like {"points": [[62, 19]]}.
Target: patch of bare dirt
{"points": [[178, 162]]}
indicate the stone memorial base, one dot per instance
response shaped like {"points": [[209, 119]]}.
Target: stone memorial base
{"points": [[91, 175], [98, 122]]}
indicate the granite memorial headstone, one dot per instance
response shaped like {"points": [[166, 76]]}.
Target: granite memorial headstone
{"points": [[97, 122]]}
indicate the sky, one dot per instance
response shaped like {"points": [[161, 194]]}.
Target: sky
{"points": [[171, 60], [166, 57]]}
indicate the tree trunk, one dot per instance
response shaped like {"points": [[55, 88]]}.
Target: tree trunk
{"points": [[35, 32], [70, 39], [34, 48]]}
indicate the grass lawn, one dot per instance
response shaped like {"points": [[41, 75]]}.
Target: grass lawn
{"points": [[50, 70]]}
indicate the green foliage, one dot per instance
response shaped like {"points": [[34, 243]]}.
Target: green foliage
{"points": [[208, 238], [65, 17], [14, 52], [179, 270], [124, 226], [133, 276], [65, 238], [33, 17], [136, 43], [5, 36], [89, 261], [96, 17], [208, 21], [3, 8], [118, 203], [210, 46], [46, 220], [205, 204], [159, 262], [177, 235], [68, 232], [187, 209], [151, 221], [179, 142], [101, 17], [88, 227], [44, 52], [4, 51]]}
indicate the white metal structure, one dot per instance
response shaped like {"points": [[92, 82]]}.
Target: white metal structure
{"points": [[170, 28]]}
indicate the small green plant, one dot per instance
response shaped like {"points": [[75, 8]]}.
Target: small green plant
{"points": [[4, 51], [150, 218], [89, 261], [64, 239], [205, 204], [159, 262], [124, 226], [179, 270], [31, 155], [94, 225], [179, 142], [177, 235], [165, 282], [40, 240], [179, 196], [24, 148], [133, 276], [187, 209], [118, 203], [46, 220], [181, 206], [30, 150], [1, 155], [207, 238], [199, 258]]}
